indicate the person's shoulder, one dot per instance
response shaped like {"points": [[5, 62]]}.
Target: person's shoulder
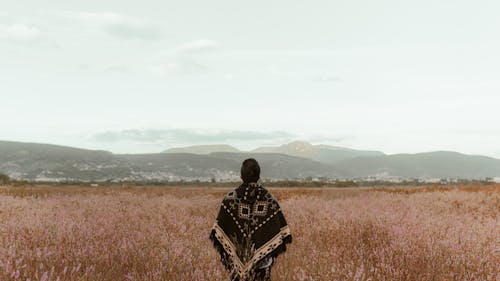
{"points": [[231, 194], [264, 188], [267, 194]]}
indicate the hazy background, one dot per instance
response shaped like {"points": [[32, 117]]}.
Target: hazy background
{"points": [[143, 76]]}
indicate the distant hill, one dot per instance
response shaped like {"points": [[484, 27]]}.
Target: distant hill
{"points": [[36, 161], [202, 149], [46, 162], [439, 164], [323, 153], [283, 166]]}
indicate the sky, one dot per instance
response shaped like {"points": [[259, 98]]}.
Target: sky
{"points": [[143, 76]]}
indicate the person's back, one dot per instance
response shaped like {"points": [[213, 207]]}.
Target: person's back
{"points": [[250, 230]]}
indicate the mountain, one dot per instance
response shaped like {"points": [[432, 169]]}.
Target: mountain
{"points": [[36, 161], [45, 162], [323, 153], [438, 164], [202, 149], [282, 165]]}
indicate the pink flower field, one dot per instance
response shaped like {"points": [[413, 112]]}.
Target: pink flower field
{"points": [[161, 233]]}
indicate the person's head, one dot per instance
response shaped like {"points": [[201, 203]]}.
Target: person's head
{"points": [[250, 170]]}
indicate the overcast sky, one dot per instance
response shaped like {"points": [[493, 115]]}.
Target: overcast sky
{"points": [[143, 76]]}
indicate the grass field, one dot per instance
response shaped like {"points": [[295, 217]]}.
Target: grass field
{"points": [[161, 233]]}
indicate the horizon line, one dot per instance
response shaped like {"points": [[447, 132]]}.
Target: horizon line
{"points": [[239, 150]]}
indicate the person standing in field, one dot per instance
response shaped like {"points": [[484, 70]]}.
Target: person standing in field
{"points": [[250, 230]]}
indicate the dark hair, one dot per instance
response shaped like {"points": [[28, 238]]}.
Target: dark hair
{"points": [[250, 170]]}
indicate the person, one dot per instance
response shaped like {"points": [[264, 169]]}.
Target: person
{"points": [[250, 230]]}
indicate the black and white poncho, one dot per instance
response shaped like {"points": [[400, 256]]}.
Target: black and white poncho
{"points": [[249, 228]]}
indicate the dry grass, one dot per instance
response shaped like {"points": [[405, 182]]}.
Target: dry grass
{"points": [[161, 233]]}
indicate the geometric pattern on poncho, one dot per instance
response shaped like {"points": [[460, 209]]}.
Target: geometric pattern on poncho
{"points": [[249, 227]]}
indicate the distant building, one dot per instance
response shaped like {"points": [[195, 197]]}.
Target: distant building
{"points": [[434, 180], [496, 179]]}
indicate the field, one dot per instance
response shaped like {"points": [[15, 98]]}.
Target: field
{"points": [[161, 233]]}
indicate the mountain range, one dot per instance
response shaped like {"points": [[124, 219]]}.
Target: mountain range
{"points": [[296, 160], [327, 154]]}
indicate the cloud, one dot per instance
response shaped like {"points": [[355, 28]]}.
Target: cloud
{"points": [[186, 136], [19, 32], [321, 138], [116, 69], [471, 132], [185, 59], [196, 47], [327, 78], [183, 66], [117, 24]]}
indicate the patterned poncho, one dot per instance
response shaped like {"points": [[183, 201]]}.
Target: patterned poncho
{"points": [[249, 228]]}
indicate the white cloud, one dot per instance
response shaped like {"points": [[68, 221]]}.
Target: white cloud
{"points": [[180, 67], [116, 68], [19, 32], [196, 47], [117, 24], [189, 136], [184, 59], [327, 78]]}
